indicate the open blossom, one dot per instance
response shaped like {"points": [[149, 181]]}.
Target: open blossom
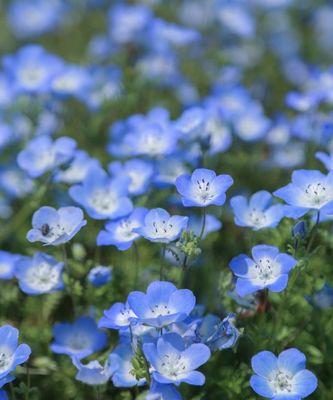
{"points": [[7, 264], [203, 188], [268, 269], [93, 373], [55, 227], [283, 377], [118, 316], [100, 275], [257, 212]]}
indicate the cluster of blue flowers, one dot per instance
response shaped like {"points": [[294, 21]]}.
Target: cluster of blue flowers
{"points": [[81, 202]]}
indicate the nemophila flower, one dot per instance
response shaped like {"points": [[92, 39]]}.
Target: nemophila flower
{"points": [[139, 172], [100, 276], [80, 339], [14, 182], [203, 188], [308, 190], [118, 316], [218, 334], [235, 18], [121, 360], [3, 393], [54, 227], [252, 124], [173, 363], [160, 227], [162, 305], [6, 134], [42, 154], [11, 354], [77, 169], [93, 373], [160, 391], [212, 225], [121, 233], [283, 377], [7, 264], [101, 196], [7, 95], [71, 80], [168, 170], [268, 269], [39, 274], [31, 69], [322, 298], [289, 156], [326, 159], [257, 212]]}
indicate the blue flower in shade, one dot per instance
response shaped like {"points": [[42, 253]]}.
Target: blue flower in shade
{"points": [[160, 391], [162, 305], [31, 69], [217, 334], [168, 170], [40, 274], [7, 264], [15, 183], [71, 80], [101, 196], [3, 393], [212, 225], [78, 168], [118, 316], [160, 227], [252, 124], [308, 190], [283, 377], [80, 339], [11, 354], [257, 212], [326, 159], [268, 269], [173, 363], [41, 155], [93, 373], [323, 298], [100, 276], [54, 227], [203, 188], [139, 172], [121, 361], [121, 233]]}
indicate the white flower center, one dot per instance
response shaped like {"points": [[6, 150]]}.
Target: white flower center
{"points": [[317, 194], [172, 365], [162, 228], [78, 341], [281, 382], [43, 277], [4, 268], [266, 270], [203, 190], [103, 201], [32, 76], [5, 360], [125, 230], [160, 310], [256, 218]]}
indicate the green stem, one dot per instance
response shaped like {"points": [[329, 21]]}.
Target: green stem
{"points": [[136, 259], [12, 392], [162, 262], [28, 384], [203, 223], [313, 232]]}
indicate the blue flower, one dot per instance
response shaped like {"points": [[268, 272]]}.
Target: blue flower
{"points": [[323, 298], [40, 274], [11, 354], [139, 172], [258, 212], [252, 124], [100, 276], [54, 227], [160, 391], [160, 227], [93, 373], [41, 155], [3, 393], [121, 233], [14, 182], [80, 339], [31, 69], [173, 363], [119, 316], [326, 159], [283, 377], [101, 196], [203, 188], [308, 190], [162, 305], [121, 360], [7, 264], [71, 80], [268, 269]]}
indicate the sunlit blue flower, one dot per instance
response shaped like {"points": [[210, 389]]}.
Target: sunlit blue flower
{"points": [[173, 363], [42, 154], [160, 227], [14, 182], [7, 264], [283, 377], [121, 360], [101, 196], [203, 188], [118, 316], [138, 171], [162, 305], [257, 212], [252, 125], [80, 339], [71, 80], [308, 190], [160, 391], [120, 233], [11, 354], [54, 227], [268, 269], [326, 159], [93, 373], [40, 274], [100, 276]]}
